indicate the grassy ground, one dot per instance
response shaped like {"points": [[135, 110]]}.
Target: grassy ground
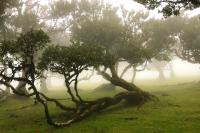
{"points": [[178, 110]]}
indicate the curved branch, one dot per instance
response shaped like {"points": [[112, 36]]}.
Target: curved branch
{"points": [[102, 103], [14, 90], [76, 88]]}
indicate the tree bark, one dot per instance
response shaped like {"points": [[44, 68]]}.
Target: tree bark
{"points": [[100, 104], [116, 80]]}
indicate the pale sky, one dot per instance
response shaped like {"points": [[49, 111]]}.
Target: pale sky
{"points": [[131, 5], [128, 4]]}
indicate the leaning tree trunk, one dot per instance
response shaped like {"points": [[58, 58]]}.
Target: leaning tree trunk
{"points": [[116, 80], [124, 84], [134, 95]]}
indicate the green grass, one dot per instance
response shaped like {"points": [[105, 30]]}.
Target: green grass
{"points": [[178, 110]]}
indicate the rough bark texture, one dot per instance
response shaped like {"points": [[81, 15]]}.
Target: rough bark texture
{"points": [[82, 109], [88, 109], [117, 81]]}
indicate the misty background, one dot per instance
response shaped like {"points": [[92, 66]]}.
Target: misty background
{"points": [[182, 69]]}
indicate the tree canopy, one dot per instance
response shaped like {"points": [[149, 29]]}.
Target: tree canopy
{"points": [[170, 7], [188, 43]]}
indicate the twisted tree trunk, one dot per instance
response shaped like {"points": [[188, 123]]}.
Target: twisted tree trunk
{"points": [[101, 104], [116, 80]]}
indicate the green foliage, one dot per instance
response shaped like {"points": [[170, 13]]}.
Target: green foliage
{"points": [[189, 39], [26, 21], [170, 7], [32, 41], [124, 38], [105, 30], [159, 37], [111, 32], [73, 58], [60, 8], [72, 10], [18, 54], [18, 17], [25, 45], [133, 51], [4, 5], [7, 46], [180, 34]]}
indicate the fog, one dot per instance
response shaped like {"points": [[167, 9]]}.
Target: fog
{"points": [[183, 70], [66, 60]]}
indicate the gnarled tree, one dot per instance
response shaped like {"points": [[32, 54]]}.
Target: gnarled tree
{"points": [[70, 62], [19, 54], [189, 47]]}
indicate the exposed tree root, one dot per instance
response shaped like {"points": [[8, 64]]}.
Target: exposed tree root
{"points": [[87, 109], [82, 109]]}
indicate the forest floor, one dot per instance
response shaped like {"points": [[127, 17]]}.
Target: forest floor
{"points": [[178, 110]]}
